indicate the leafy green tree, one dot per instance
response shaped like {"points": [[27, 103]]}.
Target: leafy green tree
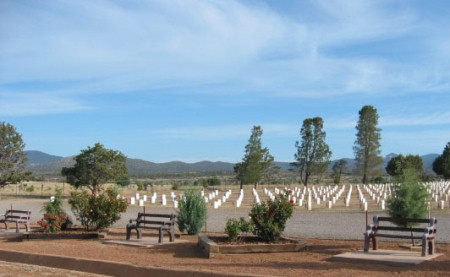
{"points": [[441, 164], [256, 162], [94, 167], [12, 156], [313, 154], [338, 168], [367, 144], [398, 164]]}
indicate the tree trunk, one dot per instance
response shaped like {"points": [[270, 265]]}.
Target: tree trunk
{"points": [[306, 179]]}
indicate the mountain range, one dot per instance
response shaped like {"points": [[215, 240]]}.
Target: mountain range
{"points": [[45, 164]]}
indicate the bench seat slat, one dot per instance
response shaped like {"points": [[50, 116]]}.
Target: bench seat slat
{"points": [[412, 220], [155, 215], [400, 229], [398, 236]]}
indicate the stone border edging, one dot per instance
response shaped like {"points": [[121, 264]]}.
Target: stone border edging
{"points": [[102, 267]]}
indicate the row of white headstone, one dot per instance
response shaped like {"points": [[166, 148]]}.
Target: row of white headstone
{"points": [[440, 193]]}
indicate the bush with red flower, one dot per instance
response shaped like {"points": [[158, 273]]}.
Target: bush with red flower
{"points": [[53, 222], [96, 211], [269, 218], [55, 218]]}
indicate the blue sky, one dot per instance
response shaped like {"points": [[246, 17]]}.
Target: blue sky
{"points": [[187, 80]]}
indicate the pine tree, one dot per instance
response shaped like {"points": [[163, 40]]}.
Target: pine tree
{"points": [[256, 162], [410, 199], [367, 144], [313, 154]]}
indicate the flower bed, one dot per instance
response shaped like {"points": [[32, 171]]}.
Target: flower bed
{"points": [[74, 233], [213, 245]]}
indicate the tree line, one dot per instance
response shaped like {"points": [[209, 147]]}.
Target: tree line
{"points": [[97, 165], [313, 155]]}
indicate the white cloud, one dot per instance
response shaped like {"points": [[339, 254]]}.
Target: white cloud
{"points": [[26, 104], [215, 47], [416, 119]]}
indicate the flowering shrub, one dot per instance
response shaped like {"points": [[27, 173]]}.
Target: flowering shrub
{"points": [[97, 211], [269, 218], [235, 227], [53, 223], [55, 218]]}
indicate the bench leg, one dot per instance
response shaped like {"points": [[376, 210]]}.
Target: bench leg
{"points": [[160, 235], [172, 235], [424, 246], [139, 233], [366, 242], [431, 246], [128, 233]]}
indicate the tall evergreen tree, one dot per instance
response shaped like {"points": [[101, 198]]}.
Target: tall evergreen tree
{"points": [[313, 154], [256, 162], [12, 155], [441, 164], [338, 168], [367, 144]]}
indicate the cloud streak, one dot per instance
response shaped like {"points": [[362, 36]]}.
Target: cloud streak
{"points": [[212, 47]]}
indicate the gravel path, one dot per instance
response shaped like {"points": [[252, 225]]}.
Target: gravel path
{"points": [[325, 224]]}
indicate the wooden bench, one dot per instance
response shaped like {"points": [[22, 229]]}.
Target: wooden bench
{"points": [[426, 234], [16, 216], [160, 222]]}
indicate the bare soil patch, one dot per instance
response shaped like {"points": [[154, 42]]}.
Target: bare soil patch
{"points": [[188, 256]]}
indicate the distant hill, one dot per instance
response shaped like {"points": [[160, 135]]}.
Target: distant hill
{"points": [[38, 157], [44, 164]]}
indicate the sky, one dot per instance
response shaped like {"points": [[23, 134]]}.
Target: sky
{"points": [[188, 79]]}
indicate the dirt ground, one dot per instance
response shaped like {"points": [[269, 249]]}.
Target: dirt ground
{"points": [[187, 255]]}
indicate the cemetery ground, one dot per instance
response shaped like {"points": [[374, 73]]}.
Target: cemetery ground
{"points": [[330, 231], [185, 256]]}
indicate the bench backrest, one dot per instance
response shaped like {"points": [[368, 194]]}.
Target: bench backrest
{"points": [[430, 227], [17, 214], [149, 218]]}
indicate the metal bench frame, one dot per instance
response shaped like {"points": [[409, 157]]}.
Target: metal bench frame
{"points": [[160, 222], [17, 217], [427, 234]]}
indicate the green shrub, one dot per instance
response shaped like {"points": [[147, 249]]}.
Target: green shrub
{"points": [[213, 181], [30, 188], [192, 212], [140, 185], [123, 182], [55, 218], [269, 218], [410, 198], [175, 186], [235, 227], [97, 211]]}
